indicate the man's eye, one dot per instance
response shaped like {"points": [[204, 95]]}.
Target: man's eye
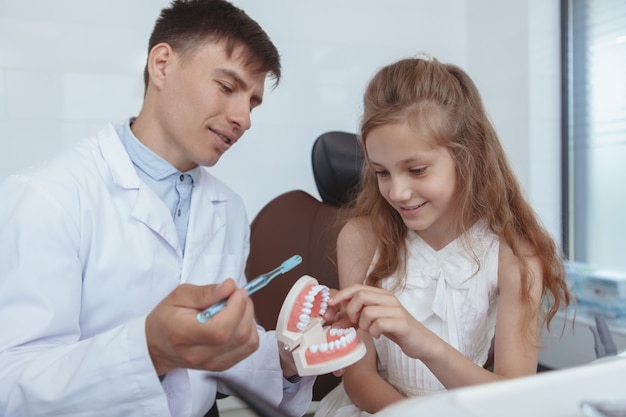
{"points": [[226, 88]]}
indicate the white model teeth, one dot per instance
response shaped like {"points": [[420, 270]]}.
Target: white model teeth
{"points": [[307, 307], [347, 337]]}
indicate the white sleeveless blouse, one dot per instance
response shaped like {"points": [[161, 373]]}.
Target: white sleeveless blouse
{"points": [[451, 294]]}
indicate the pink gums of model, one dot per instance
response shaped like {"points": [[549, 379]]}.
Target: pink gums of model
{"points": [[317, 349]]}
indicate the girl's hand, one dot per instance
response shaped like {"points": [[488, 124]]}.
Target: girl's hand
{"points": [[378, 312], [335, 316], [332, 312]]}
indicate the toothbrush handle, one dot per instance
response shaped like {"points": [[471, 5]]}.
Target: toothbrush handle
{"points": [[211, 311], [252, 287], [260, 281]]}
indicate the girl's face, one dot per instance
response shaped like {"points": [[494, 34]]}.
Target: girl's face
{"points": [[417, 180]]}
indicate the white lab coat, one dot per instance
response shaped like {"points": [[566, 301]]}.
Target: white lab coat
{"points": [[86, 251]]}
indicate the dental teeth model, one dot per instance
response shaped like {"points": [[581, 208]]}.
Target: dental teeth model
{"points": [[317, 349]]}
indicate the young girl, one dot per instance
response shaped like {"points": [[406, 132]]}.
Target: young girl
{"points": [[456, 266]]}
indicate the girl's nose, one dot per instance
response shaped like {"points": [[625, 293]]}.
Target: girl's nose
{"points": [[399, 190]]}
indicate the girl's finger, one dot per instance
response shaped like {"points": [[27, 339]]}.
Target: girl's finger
{"points": [[349, 292]]}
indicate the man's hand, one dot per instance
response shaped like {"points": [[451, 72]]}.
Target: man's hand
{"points": [[287, 362], [177, 340]]}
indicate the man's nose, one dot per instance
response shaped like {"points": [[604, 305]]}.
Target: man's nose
{"points": [[239, 114]]}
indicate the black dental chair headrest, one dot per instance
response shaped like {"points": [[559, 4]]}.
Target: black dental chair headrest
{"points": [[337, 160]]}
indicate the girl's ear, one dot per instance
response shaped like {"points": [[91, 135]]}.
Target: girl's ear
{"points": [[160, 58]]}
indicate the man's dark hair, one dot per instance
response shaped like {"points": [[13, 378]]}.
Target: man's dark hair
{"points": [[187, 24]]}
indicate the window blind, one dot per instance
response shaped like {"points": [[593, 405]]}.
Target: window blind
{"points": [[596, 108]]}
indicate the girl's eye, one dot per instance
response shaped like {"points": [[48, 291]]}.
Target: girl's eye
{"points": [[417, 171], [381, 173]]}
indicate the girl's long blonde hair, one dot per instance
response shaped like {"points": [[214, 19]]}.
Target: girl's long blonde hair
{"points": [[442, 102]]}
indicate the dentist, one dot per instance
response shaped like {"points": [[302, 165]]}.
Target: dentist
{"points": [[109, 251]]}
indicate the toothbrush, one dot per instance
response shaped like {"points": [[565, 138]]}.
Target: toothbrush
{"points": [[253, 286]]}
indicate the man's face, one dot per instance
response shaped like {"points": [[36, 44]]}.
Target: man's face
{"points": [[203, 105]]}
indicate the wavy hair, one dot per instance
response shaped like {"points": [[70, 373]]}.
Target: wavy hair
{"points": [[441, 102]]}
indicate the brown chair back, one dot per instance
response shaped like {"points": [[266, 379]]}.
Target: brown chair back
{"points": [[296, 223]]}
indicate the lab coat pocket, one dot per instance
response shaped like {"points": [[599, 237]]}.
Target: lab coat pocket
{"points": [[213, 269]]}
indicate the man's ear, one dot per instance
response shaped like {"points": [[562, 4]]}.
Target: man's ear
{"points": [[160, 58]]}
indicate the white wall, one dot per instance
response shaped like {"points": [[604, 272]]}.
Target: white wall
{"points": [[514, 59], [67, 67]]}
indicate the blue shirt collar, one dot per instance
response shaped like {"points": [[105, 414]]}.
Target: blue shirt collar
{"points": [[144, 158]]}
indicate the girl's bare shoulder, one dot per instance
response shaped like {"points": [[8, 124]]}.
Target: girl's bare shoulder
{"points": [[356, 246], [357, 232], [509, 265], [361, 226]]}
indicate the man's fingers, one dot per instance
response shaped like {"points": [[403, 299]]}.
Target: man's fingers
{"points": [[176, 339], [202, 296], [212, 294], [231, 317]]}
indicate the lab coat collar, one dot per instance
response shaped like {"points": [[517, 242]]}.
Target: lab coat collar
{"points": [[117, 160], [206, 219], [147, 207], [208, 202]]}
